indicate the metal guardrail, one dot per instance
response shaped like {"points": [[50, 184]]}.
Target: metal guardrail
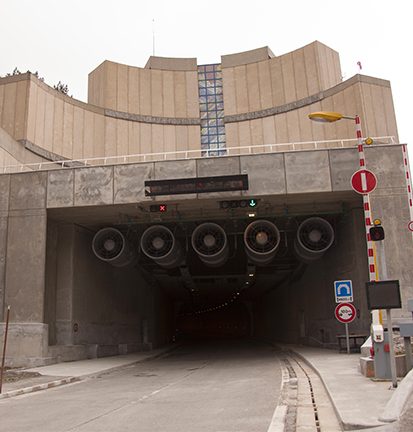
{"points": [[191, 154]]}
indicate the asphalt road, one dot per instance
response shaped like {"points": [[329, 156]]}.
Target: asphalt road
{"points": [[220, 387]]}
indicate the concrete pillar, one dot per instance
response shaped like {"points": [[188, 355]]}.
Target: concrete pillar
{"points": [[4, 210], [64, 285], [25, 267]]}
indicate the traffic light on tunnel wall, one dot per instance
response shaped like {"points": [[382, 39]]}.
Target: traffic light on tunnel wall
{"points": [[376, 233]]}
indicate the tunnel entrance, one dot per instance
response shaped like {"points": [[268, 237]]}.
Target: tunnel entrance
{"points": [[120, 280]]}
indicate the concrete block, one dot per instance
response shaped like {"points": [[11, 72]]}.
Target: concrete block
{"points": [[25, 341], [367, 367], [64, 353], [5, 192], [266, 174], [129, 182], [343, 164], [94, 186], [176, 170], [387, 164], [307, 171], [60, 188], [28, 191], [218, 167]]}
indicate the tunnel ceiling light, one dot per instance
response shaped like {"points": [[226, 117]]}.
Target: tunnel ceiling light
{"points": [[252, 215]]}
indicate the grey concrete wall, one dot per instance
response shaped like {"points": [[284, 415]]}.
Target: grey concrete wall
{"points": [[294, 172], [302, 310], [96, 303], [389, 203]]}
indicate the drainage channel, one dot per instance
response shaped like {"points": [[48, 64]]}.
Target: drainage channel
{"points": [[309, 407]]}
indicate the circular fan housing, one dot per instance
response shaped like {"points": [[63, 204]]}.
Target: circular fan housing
{"points": [[159, 244], [110, 245], [261, 240], [210, 243], [314, 237]]}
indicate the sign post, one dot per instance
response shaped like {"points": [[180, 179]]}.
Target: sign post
{"points": [[345, 313]]}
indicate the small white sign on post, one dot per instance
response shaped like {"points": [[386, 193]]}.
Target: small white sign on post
{"points": [[343, 290]]}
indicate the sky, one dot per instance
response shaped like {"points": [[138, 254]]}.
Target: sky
{"points": [[65, 40]]}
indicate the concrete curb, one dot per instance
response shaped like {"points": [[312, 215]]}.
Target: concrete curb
{"points": [[395, 405], [71, 379], [345, 425], [38, 387]]}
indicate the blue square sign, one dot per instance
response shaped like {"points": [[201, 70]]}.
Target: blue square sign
{"points": [[343, 290]]}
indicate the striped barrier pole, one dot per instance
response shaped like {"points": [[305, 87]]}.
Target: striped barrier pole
{"points": [[408, 186]]}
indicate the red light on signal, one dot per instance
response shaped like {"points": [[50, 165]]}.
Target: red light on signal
{"points": [[158, 208]]}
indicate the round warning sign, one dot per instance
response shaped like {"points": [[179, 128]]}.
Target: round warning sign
{"points": [[345, 312]]}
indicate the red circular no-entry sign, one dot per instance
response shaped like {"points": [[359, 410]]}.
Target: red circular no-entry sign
{"points": [[345, 312], [363, 181]]}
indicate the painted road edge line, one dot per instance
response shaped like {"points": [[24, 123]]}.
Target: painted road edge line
{"points": [[38, 387]]}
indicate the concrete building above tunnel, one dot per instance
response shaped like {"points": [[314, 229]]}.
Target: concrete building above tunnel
{"points": [[188, 200]]}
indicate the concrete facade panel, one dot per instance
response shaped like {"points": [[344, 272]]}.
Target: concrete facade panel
{"points": [[266, 174], [129, 182], [308, 172], [313, 83], [28, 191], [9, 108], [111, 82], [88, 134], [25, 264], [194, 139], [122, 88], [264, 81], [29, 345], [58, 127], [287, 67], [122, 138], [40, 117], [145, 92], [192, 99], [110, 137], [168, 94], [133, 90], [78, 132], [218, 167], [93, 186], [175, 170], [241, 89], [98, 135], [300, 74], [5, 193], [254, 97], [48, 121], [181, 138], [20, 115], [343, 164], [387, 164], [156, 93], [228, 82], [60, 186], [68, 114], [180, 97]]}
